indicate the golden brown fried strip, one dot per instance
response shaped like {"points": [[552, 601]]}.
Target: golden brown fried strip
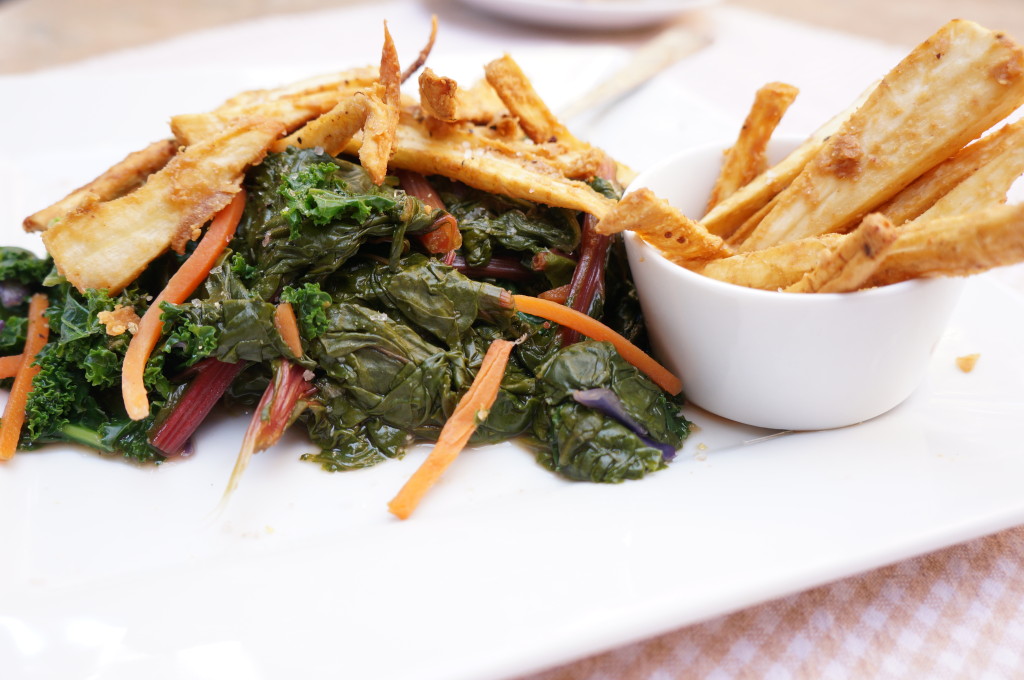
{"points": [[746, 159], [332, 131], [955, 246], [120, 179], [439, 96], [480, 104], [923, 192], [947, 246], [676, 236], [421, 58], [729, 215], [291, 105], [488, 165], [382, 114], [107, 245], [949, 90], [853, 262], [773, 268], [516, 91]]}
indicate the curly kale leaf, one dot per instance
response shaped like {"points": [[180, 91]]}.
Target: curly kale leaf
{"points": [[318, 194], [308, 213], [76, 394], [582, 443], [310, 305], [21, 266]]}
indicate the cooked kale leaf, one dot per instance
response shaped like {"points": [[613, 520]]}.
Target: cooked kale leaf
{"points": [[76, 395], [489, 221], [308, 213], [582, 443]]}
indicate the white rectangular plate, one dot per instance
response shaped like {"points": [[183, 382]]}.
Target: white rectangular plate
{"points": [[111, 570]]}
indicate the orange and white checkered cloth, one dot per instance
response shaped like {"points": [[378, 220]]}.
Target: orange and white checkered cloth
{"points": [[955, 613]]}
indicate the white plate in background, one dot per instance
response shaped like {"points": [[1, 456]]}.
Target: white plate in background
{"points": [[589, 14]]}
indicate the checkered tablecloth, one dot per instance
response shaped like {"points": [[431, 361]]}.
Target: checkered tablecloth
{"points": [[955, 613]]}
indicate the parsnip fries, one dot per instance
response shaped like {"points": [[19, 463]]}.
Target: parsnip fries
{"points": [[901, 164]]}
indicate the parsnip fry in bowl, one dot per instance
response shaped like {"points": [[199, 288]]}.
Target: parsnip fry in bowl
{"points": [[726, 217], [955, 246], [746, 159], [852, 262], [927, 189], [679, 238], [986, 186], [948, 91]]}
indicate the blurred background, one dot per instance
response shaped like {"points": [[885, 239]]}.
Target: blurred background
{"points": [[36, 34]]}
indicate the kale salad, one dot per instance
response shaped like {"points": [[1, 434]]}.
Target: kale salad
{"points": [[359, 305]]}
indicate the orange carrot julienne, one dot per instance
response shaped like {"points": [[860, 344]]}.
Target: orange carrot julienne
{"points": [[14, 413], [457, 430], [288, 327], [9, 365], [188, 277], [594, 329]]}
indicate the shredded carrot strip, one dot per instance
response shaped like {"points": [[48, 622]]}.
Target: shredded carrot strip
{"points": [[188, 277], [9, 365], [471, 409], [288, 327], [14, 413], [446, 237], [594, 329]]}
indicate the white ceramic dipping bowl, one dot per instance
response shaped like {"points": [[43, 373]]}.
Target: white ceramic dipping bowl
{"points": [[789, 361]]}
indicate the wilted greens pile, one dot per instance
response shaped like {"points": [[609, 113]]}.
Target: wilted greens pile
{"points": [[392, 336]]}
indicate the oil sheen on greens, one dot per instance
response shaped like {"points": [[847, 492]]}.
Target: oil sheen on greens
{"points": [[392, 337]]}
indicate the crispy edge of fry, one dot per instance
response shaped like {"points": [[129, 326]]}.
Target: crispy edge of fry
{"points": [[772, 268], [927, 189], [746, 159], [856, 258], [421, 58], [292, 105], [986, 186], [677, 237], [439, 96], [925, 110], [523, 102], [729, 215], [382, 113], [332, 131], [118, 180], [955, 246]]}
